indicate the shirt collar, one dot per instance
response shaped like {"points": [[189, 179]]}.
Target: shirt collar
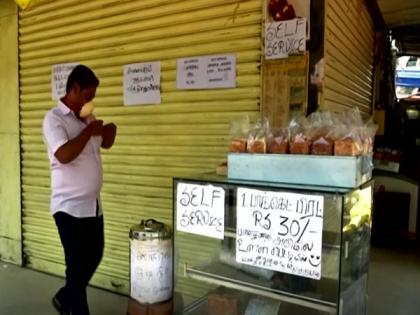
{"points": [[63, 107]]}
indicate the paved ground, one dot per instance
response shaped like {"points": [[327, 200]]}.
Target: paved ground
{"points": [[394, 284], [26, 292], [394, 288]]}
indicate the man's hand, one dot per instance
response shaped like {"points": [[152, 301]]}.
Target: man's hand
{"points": [[71, 150], [96, 127], [109, 132]]}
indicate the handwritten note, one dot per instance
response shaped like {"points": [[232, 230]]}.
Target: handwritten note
{"points": [[151, 270], [59, 76], [284, 38], [280, 231], [208, 72], [142, 83], [201, 210]]}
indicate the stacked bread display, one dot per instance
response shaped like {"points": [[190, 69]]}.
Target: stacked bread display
{"points": [[321, 133]]}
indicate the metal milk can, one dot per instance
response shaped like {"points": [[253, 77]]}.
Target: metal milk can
{"points": [[151, 269]]}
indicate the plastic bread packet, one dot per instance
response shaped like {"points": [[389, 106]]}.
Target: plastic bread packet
{"points": [[369, 133], [349, 134], [321, 131], [257, 137], [279, 141], [300, 143], [239, 129]]}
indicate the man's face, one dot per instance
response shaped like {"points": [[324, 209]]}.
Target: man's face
{"points": [[83, 96]]}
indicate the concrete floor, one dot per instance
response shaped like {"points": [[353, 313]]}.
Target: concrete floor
{"points": [[394, 288], [27, 292], [394, 282]]}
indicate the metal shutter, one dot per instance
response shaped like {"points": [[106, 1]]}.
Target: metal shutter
{"points": [[349, 49], [187, 134]]}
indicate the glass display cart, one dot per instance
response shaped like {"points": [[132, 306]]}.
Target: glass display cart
{"points": [[245, 247]]}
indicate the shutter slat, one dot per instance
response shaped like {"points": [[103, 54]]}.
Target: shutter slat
{"points": [[348, 56]]}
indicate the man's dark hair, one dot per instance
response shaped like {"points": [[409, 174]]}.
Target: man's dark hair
{"points": [[83, 76]]}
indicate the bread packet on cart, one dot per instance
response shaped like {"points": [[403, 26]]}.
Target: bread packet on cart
{"points": [[279, 141], [300, 143], [257, 137], [239, 129], [321, 131]]}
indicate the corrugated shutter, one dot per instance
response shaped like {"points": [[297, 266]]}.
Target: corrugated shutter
{"points": [[349, 49], [186, 134]]}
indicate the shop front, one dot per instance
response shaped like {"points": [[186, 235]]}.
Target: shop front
{"points": [[173, 76], [180, 132]]}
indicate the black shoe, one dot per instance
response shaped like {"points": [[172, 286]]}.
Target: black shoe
{"points": [[59, 307]]}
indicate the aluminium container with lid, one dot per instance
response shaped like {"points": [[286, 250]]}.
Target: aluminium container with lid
{"points": [[151, 262]]}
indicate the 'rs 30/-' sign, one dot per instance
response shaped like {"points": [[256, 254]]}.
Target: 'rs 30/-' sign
{"points": [[281, 231]]}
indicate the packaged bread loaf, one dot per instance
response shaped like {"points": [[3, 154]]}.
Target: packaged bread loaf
{"points": [[299, 141], [238, 145], [347, 147], [279, 146], [300, 144], [370, 129], [321, 131], [322, 145], [257, 145], [349, 140], [279, 141], [239, 129], [257, 137]]}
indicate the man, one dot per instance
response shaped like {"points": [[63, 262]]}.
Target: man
{"points": [[73, 145]]}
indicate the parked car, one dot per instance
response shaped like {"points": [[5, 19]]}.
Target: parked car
{"points": [[407, 79]]}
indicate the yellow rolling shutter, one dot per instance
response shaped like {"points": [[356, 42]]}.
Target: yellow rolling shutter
{"points": [[349, 48], [186, 134]]}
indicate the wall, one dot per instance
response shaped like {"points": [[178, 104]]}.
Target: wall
{"points": [[10, 207]]}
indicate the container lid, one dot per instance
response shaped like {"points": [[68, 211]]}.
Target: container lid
{"points": [[149, 229]]}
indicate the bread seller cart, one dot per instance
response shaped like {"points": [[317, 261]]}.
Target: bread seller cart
{"points": [[265, 247]]}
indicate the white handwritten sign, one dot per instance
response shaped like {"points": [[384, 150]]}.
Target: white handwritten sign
{"points": [[280, 231], [59, 75], [151, 270], [208, 72], [284, 38], [142, 83], [201, 210]]}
